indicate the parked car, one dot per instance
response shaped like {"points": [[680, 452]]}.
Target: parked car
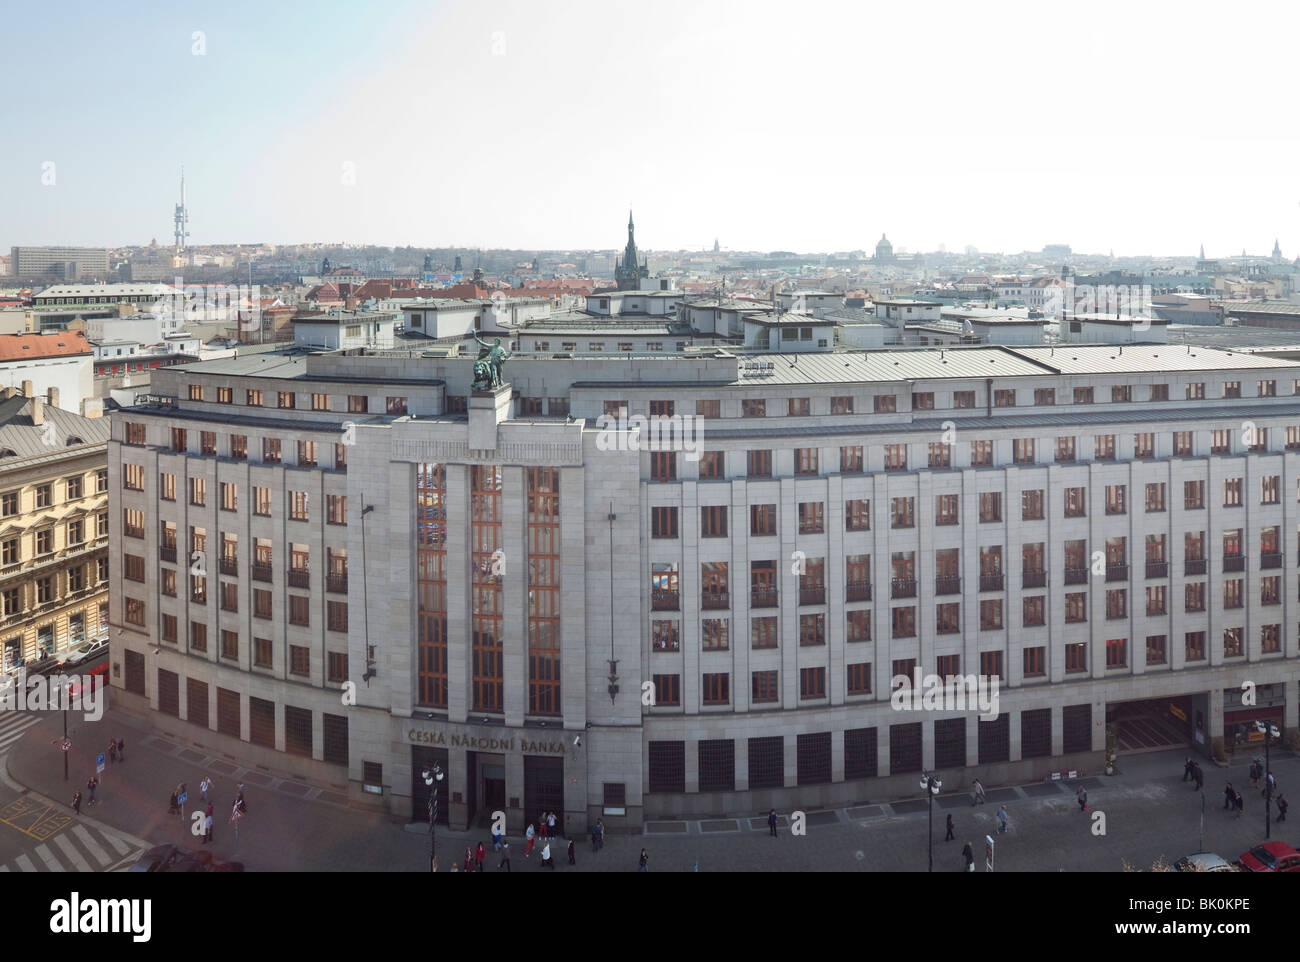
{"points": [[85, 652], [1203, 862], [1271, 857], [42, 666], [172, 858]]}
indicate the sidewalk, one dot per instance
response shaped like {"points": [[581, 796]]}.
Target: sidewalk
{"points": [[294, 827]]}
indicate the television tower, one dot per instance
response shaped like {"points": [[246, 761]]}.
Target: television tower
{"points": [[181, 218]]}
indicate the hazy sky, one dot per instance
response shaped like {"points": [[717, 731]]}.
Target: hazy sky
{"points": [[810, 126]]}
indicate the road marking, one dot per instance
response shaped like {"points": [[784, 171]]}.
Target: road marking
{"points": [[46, 856], [88, 842], [116, 843], [25, 863], [71, 852]]}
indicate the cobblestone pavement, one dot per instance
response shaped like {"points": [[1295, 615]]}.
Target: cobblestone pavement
{"points": [[1146, 812]]}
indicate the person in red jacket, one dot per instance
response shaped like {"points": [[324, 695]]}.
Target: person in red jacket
{"points": [[479, 854]]}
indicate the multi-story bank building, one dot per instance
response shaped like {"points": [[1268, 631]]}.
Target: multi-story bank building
{"points": [[351, 566]]}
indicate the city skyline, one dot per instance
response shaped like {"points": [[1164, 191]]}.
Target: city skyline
{"points": [[544, 126]]}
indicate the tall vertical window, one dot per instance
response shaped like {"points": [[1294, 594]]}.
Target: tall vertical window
{"points": [[485, 586], [431, 582], [543, 520]]}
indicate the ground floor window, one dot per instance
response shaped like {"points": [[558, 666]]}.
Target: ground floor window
{"points": [[667, 767]]}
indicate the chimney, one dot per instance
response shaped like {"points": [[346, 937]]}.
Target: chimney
{"points": [[27, 388], [54, 397], [38, 411]]}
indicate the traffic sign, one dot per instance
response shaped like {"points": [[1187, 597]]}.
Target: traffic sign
{"points": [[99, 762], [66, 745], [180, 799]]}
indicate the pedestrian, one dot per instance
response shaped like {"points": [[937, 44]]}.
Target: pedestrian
{"points": [[600, 834], [121, 745], [541, 825], [530, 836], [643, 863], [1240, 803], [573, 858], [771, 822], [1281, 808], [1081, 796], [979, 791], [112, 751], [1229, 797], [90, 785], [468, 866], [497, 838], [505, 856], [239, 801], [172, 806], [550, 825], [453, 866], [207, 825], [1198, 775], [546, 855], [969, 855], [1187, 768], [595, 837], [1002, 819], [1270, 785], [1254, 774], [204, 786], [480, 853], [76, 803], [949, 837]]}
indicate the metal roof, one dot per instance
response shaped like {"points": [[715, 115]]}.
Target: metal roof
{"points": [[1144, 359], [28, 440]]}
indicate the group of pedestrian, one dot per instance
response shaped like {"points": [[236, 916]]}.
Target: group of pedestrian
{"points": [[1192, 771], [115, 750]]}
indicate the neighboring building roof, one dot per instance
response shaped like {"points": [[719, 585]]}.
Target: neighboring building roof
{"points": [[107, 290], [22, 347], [19, 434]]}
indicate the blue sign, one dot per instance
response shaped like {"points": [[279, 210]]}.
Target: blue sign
{"points": [[182, 796], [99, 762]]}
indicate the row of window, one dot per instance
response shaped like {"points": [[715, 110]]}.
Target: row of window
{"points": [[716, 758], [288, 400], [665, 634], [299, 607], [47, 589], [299, 503], [902, 510], [758, 463], [715, 687], [298, 722], [73, 489], [237, 449], [961, 400], [43, 539]]}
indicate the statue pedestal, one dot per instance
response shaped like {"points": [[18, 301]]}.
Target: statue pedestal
{"points": [[487, 409]]}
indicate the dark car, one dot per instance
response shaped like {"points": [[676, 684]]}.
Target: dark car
{"points": [[160, 858], [42, 666], [171, 858], [1271, 857], [210, 863]]}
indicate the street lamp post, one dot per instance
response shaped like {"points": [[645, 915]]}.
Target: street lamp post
{"points": [[930, 784], [1269, 731], [432, 775]]}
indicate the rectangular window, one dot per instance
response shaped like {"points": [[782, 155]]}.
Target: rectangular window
{"points": [[1144, 445], [253, 399], [1193, 495], [753, 408], [1031, 505], [990, 506], [1065, 452], [1083, 395], [1076, 502], [763, 632], [1194, 645], [857, 515], [271, 450], [851, 459], [811, 517], [397, 406], [765, 689], [1004, 399], [712, 465], [762, 519], [759, 464], [298, 506], [133, 477], [981, 454], [1196, 391], [299, 610], [902, 513], [963, 399], [1155, 497], [663, 522], [708, 409], [1022, 451], [895, 457], [713, 521], [239, 447], [229, 497], [799, 407], [1045, 396], [940, 455], [1105, 447], [842, 405], [198, 491], [1076, 657], [716, 689], [886, 403], [1116, 499], [135, 434], [945, 509], [805, 461], [812, 683]]}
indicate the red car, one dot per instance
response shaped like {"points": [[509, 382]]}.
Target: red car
{"points": [[1271, 857]]}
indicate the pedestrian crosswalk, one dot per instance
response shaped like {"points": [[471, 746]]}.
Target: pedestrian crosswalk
{"points": [[13, 724], [80, 848], [64, 846]]}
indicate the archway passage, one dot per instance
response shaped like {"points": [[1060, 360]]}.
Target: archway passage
{"points": [[1152, 725]]}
